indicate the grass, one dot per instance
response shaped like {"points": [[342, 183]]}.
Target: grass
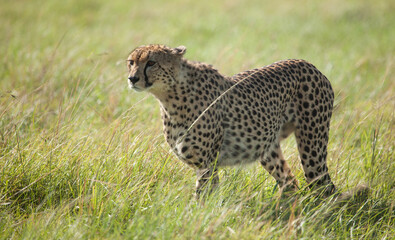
{"points": [[82, 157]]}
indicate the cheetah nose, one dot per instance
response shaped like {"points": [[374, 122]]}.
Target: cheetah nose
{"points": [[134, 79]]}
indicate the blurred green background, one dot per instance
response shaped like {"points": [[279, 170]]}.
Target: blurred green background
{"points": [[82, 156]]}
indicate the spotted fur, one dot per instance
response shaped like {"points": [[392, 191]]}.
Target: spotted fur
{"points": [[211, 120]]}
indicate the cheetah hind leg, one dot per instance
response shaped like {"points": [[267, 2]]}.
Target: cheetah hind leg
{"points": [[273, 161], [313, 158]]}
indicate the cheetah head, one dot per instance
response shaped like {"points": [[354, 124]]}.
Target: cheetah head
{"points": [[154, 67]]}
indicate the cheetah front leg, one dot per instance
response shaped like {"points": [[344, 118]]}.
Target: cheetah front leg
{"points": [[207, 180]]}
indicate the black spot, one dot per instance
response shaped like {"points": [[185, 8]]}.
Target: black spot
{"points": [[324, 168], [307, 149], [311, 162], [314, 153], [311, 175], [305, 88], [246, 156], [184, 149]]}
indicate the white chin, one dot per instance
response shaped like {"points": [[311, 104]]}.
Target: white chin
{"points": [[135, 88]]}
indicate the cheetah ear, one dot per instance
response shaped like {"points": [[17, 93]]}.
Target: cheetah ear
{"points": [[179, 50]]}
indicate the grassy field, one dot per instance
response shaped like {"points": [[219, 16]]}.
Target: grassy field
{"points": [[83, 157]]}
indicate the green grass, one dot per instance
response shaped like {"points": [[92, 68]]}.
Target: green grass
{"points": [[82, 157]]}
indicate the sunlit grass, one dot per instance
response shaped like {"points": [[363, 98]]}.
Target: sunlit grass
{"points": [[81, 156]]}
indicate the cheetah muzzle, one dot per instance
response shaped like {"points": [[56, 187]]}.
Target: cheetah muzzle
{"points": [[211, 120]]}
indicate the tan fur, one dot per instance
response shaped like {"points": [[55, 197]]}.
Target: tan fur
{"points": [[212, 120]]}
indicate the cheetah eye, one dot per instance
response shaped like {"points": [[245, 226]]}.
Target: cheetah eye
{"points": [[150, 63], [131, 62]]}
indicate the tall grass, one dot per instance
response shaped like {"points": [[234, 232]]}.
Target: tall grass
{"points": [[83, 157]]}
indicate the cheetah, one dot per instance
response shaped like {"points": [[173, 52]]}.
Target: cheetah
{"points": [[211, 120]]}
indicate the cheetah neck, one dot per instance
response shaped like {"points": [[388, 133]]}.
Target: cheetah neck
{"points": [[197, 86]]}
